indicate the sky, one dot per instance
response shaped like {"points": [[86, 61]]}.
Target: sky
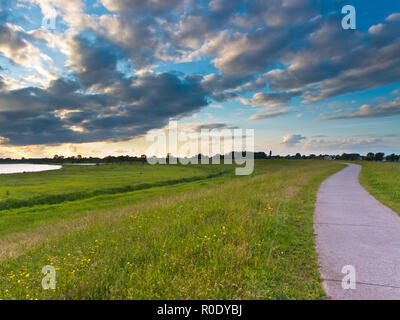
{"points": [[94, 77]]}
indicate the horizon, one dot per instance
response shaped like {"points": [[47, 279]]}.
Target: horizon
{"points": [[80, 157]]}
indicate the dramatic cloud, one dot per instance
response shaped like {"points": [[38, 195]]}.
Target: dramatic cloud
{"points": [[18, 50], [268, 115], [269, 100], [345, 144], [148, 102], [140, 6], [217, 83], [253, 52], [394, 17], [277, 13], [334, 62], [387, 109], [292, 139], [124, 107], [207, 126], [107, 73]]}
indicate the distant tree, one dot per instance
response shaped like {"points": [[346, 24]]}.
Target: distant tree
{"points": [[379, 156], [370, 156], [298, 156], [350, 156], [392, 157], [260, 155]]}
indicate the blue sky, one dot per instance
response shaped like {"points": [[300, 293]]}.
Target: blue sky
{"points": [[113, 70]]}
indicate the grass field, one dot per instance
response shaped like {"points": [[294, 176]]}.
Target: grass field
{"points": [[202, 233], [79, 182], [382, 180]]}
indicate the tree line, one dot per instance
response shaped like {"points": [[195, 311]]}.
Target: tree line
{"points": [[57, 159]]}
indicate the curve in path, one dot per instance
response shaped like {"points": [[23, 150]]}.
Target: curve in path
{"points": [[353, 228]]}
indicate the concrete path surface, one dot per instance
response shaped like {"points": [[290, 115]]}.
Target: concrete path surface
{"points": [[353, 228]]}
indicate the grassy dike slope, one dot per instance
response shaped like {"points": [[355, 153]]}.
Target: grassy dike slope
{"points": [[222, 238], [382, 180], [74, 182]]}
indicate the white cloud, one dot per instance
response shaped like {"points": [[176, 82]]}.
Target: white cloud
{"points": [[20, 51], [385, 109], [394, 17], [268, 100], [292, 139], [268, 115]]}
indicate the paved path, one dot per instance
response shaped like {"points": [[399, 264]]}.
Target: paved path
{"points": [[353, 228]]}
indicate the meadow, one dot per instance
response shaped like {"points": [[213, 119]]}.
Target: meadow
{"points": [[382, 180], [78, 182], [177, 232]]}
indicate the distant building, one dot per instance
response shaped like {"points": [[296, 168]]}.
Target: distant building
{"points": [[328, 158]]}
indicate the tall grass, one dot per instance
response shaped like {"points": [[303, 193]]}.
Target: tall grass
{"points": [[74, 182], [249, 238], [382, 180], [78, 195]]}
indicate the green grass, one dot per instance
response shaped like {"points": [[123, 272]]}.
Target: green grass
{"points": [[225, 237], [382, 180], [79, 182]]}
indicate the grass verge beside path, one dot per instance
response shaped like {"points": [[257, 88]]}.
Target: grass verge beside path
{"points": [[382, 180], [249, 238]]}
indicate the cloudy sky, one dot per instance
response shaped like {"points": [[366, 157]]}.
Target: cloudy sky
{"points": [[103, 73]]}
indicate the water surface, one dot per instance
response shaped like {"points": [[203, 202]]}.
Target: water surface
{"points": [[26, 167]]}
